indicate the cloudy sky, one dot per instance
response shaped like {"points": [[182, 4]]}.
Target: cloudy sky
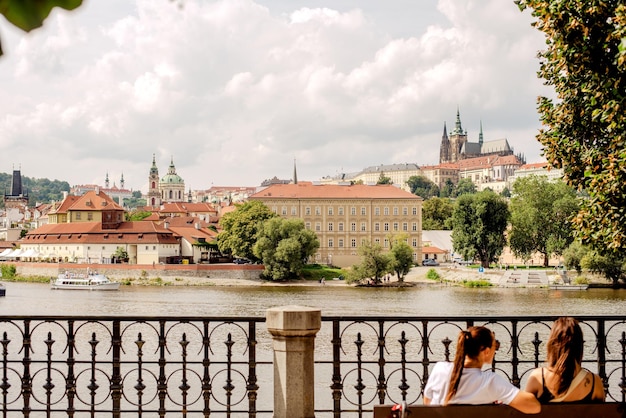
{"points": [[235, 90]]}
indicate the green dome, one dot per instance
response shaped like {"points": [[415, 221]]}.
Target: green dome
{"points": [[172, 179]]}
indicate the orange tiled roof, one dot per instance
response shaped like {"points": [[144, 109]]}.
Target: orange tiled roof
{"points": [[487, 161], [307, 190], [534, 165], [93, 201], [92, 232]]}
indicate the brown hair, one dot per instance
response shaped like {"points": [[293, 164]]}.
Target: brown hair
{"points": [[469, 344], [565, 350]]}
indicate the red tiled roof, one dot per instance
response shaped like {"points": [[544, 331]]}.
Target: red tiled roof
{"points": [[92, 201], [92, 232], [487, 161], [306, 190], [534, 165]]}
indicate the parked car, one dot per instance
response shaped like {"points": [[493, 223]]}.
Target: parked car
{"points": [[241, 261], [430, 262]]}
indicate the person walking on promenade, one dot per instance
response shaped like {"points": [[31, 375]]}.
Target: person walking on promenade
{"points": [[563, 379], [464, 381]]}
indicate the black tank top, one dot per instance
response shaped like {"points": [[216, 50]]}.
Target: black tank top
{"points": [[547, 396]]}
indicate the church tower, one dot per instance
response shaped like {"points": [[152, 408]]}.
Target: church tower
{"points": [[458, 138], [154, 195], [17, 197], [172, 186], [444, 148]]}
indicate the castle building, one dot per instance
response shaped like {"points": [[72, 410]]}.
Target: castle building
{"points": [[456, 146], [169, 189]]}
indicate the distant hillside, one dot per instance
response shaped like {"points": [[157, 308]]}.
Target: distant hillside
{"points": [[39, 190]]}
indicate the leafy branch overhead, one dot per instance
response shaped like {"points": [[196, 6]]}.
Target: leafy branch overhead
{"points": [[30, 14]]}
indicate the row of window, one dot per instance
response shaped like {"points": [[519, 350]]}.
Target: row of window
{"points": [[386, 226], [340, 242], [353, 211]]}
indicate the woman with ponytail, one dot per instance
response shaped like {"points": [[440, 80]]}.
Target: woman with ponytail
{"points": [[464, 381], [563, 379]]}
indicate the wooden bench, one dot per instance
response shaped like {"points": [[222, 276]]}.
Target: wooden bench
{"points": [[560, 410]]}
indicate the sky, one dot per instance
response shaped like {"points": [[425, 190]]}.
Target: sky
{"points": [[236, 91]]}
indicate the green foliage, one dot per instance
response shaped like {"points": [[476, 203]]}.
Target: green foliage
{"points": [[240, 228], [134, 202], [374, 263], [432, 274], [137, 215], [505, 192], [447, 190], [585, 124], [30, 14], [464, 186], [540, 217], [437, 214], [121, 253], [479, 221], [421, 186], [477, 283], [382, 179], [317, 272], [573, 256], [8, 271], [581, 280], [611, 266], [401, 256], [284, 246]]}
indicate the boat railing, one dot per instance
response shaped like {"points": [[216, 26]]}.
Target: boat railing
{"points": [[130, 365]]}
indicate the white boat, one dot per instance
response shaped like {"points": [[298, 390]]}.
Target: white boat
{"points": [[73, 281]]}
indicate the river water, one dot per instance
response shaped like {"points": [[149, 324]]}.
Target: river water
{"points": [[422, 300]]}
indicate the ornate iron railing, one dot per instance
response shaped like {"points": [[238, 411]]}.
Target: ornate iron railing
{"points": [[200, 367]]}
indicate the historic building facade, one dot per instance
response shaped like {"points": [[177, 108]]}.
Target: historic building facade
{"points": [[345, 217], [169, 188]]}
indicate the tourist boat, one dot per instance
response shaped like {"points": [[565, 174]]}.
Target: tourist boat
{"points": [[90, 281]]}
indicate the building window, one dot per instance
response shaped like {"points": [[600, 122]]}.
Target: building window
{"points": [[340, 242], [414, 226], [307, 210], [284, 210], [386, 211], [377, 241], [294, 210], [353, 243], [330, 211], [405, 211], [330, 243], [147, 247], [353, 211], [363, 211], [395, 211], [386, 226], [395, 226], [405, 226], [308, 225], [77, 215], [340, 211], [353, 226], [363, 226], [414, 211], [275, 209], [377, 211], [386, 243], [318, 226], [318, 210], [414, 242], [330, 226], [377, 227], [89, 216]]}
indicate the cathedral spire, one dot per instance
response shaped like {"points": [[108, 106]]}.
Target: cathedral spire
{"points": [[106, 180], [458, 129], [122, 181], [480, 134]]}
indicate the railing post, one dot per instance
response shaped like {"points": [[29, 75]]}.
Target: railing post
{"points": [[293, 330]]}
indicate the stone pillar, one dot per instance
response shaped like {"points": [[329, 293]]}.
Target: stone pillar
{"points": [[293, 330]]}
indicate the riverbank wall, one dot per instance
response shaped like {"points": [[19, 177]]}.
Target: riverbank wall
{"points": [[135, 272]]}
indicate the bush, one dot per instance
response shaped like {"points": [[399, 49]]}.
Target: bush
{"points": [[477, 283], [581, 280], [433, 275], [8, 271]]}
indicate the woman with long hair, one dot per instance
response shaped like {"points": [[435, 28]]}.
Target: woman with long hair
{"points": [[464, 381], [563, 379]]}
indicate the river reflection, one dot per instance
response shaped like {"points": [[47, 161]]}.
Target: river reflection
{"points": [[422, 300]]}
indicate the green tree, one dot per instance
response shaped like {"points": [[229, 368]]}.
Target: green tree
{"points": [[284, 246], [610, 265], [382, 179], [375, 263], [464, 186], [436, 214], [30, 14], [573, 256], [447, 190], [402, 256], [479, 222], [240, 227], [421, 186], [137, 215], [585, 123], [541, 211]]}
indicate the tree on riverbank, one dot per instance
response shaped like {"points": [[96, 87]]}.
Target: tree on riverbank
{"points": [[401, 256], [585, 124], [240, 229], [284, 246], [541, 213], [375, 263], [478, 225]]}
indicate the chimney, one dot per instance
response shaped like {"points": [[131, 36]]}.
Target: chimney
{"points": [[197, 225], [97, 190], [166, 225]]}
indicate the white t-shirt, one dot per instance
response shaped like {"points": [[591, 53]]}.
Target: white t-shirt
{"points": [[476, 386]]}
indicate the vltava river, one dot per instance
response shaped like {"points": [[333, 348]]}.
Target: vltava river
{"points": [[427, 299]]}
